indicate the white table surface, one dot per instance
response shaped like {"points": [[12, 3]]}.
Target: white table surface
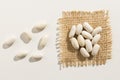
{"points": [[17, 16]]}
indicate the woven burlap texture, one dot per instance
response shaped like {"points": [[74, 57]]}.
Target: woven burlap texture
{"points": [[68, 56]]}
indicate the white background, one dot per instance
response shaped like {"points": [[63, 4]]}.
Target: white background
{"points": [[17, 16]]}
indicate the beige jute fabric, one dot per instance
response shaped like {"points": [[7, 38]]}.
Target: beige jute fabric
{"points": [[68, 56]]}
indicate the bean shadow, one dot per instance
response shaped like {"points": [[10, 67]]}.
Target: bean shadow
{"points": [[80, 57], [69, 45], [71, 49]]}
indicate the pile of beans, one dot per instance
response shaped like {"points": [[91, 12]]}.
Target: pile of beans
{"points": [[85, 39]]}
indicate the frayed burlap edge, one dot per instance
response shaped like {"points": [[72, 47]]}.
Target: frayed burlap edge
{"points": [[68, 56]]}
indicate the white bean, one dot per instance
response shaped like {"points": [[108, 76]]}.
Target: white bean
{"points": [[74, 43], [8, 43], [81, 40], [72, 31], [38, 28], [35, 57], [88, 45], [96, 38], [79, 29], [25, 37], [84, 52], [20, 56], [42, 42], [96, 30], [86, 35], [87, 27], [95, 49]]}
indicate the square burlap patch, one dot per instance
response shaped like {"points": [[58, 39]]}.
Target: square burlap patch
{"points": [[68, 56]]}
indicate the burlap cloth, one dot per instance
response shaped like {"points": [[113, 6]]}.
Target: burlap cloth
{"points": [[68, 56]]}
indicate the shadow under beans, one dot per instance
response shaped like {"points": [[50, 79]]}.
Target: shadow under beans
{"points": [[69, 45], [80, 57], [71, 49], [91, 57]]}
